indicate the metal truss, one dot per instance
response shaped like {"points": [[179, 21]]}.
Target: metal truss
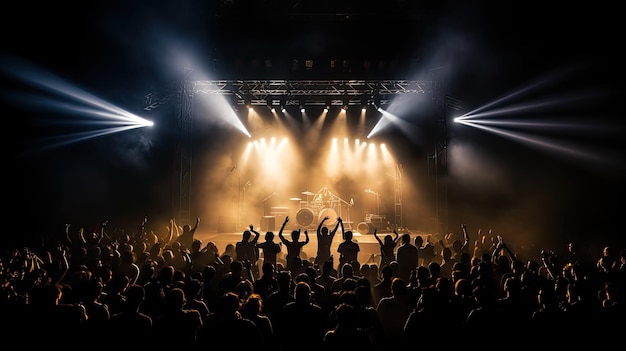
{"points": [[297, 92]]}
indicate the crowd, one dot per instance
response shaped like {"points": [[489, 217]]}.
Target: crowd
{"points": [[109, 289]]}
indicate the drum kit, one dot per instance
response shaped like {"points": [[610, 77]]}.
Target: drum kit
{"points": [[319, 206]]}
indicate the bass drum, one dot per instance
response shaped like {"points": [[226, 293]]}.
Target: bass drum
{"points": [[305, 217], [332, 216]]}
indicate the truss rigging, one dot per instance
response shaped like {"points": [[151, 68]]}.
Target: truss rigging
{"points": [[296, 92]]}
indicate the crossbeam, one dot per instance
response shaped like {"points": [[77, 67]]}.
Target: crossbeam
{"points": [[303, 92]]}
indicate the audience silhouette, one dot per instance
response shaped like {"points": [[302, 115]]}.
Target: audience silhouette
{"points": [[325, 238], [145, 289], [294, 247]]}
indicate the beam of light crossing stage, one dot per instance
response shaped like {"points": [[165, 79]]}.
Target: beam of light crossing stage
{"points": [[54, 84], [543, 143], [77, 102], [520, 91], [71, 138], [84, 111], [528, 124], [387, 119], [564, 101], [223, 112]]}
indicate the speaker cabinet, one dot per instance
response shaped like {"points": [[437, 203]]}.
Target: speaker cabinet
{"points": [[369, 227]]}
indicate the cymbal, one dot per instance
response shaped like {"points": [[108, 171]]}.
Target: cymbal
{"points": [[307, 193], [295, 199]]}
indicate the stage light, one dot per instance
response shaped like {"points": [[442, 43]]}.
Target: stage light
{"points": [[333, 65], [376, 99], [308, 64], [345, 65]]}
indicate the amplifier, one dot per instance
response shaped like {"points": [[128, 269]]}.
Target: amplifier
{"points": [[279, 210], [375, 218], [369, 227]]}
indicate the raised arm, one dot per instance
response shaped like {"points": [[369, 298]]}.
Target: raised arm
{"points": [[67, 233], [500, 249], [61, 262], [377, 238], [195, 226], [396, 236], [466, 238], [282, 227], [343, 231], [136, 237], [81, 236], [170, 232], [306, 237], [319, 226], [103, 233], [256, 235], [334, 231], [549, 260]]}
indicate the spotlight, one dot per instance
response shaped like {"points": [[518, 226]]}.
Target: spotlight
{"points": [[333, 65], [345, 65], [295, 65], [376, 99], [364, 102]]}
